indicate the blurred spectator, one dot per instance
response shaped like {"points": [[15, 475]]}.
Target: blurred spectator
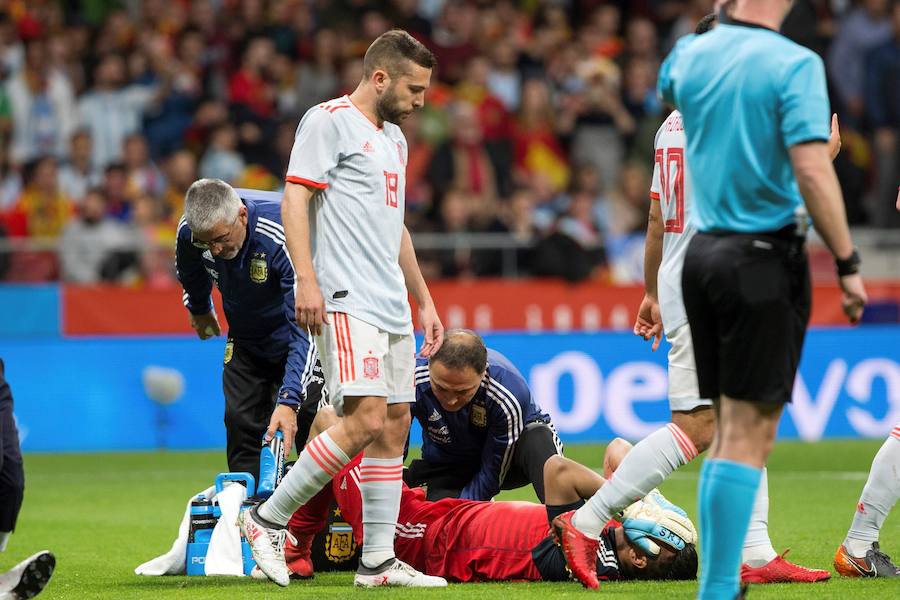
{"points": [[407, 16], [536, 148], [504, 79], [883, 105], [462, 163], [156, 238], [116, 192], [601, 121], [78, 175], [42, 107], [10, 180], [692, 11], [222, 161], [89, 242], [456, 218], [317, 79], [641, 42], [453, 39], [42, 209], [859, 30], [12, 50], [643, 105], [178, 82], [249, 87], [144, 177], [112, 109], [418, 191], [631, 204], [494, 119], [181, 172]]}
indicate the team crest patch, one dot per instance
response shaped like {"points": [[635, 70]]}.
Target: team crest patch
{"points": [[339, 542], [400, 154], [371, 370], [229, 352], [259, 269], [478, 416]]}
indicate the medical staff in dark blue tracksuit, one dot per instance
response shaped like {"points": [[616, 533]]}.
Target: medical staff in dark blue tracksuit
{"points": [[481, 429], [268, 359]]}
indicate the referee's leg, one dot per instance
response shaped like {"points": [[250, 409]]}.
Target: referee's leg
{"points": [[12, 474]]}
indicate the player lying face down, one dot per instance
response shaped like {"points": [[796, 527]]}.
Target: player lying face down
{"points": [[467, 540]]}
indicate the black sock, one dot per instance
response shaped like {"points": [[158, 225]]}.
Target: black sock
{"points": [[554, 510]]}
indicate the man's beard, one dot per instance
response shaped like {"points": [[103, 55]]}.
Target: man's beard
{"points": [[386, 107]]}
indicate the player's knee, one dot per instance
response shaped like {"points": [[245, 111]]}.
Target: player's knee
{"points": [[699, 426], [555, 469], [366, 423]]}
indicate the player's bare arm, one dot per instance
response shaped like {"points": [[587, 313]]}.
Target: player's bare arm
{"points": [[822, 194], [415, 284], [649, 322], [309, 303], [206, 325]]}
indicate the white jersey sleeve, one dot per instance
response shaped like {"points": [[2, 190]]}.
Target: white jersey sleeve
{"points": [[671, 186], [316, 149]]}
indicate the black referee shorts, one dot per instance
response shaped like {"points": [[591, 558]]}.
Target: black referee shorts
{"points": [[747, 298]]}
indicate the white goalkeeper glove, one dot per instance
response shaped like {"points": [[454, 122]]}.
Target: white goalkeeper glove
{"points": [[655, 520]]}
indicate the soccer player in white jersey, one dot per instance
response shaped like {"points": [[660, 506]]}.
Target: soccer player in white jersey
{"points": [[860, 554], [693, 420], [354, 262]]}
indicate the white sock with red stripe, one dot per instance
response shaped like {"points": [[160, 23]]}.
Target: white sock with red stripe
{"points": [[380, 484], [758, 550], [319, 462], [878, 497], [645, 466]]}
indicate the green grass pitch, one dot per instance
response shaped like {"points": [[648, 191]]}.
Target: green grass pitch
{"points": [[103, 514]]}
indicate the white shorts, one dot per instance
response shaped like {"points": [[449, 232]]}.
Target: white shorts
{"points": [[359, 359], [684, 391]]}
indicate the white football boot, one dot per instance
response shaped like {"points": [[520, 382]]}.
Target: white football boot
{"points": [[267, 545], [28, 578], [395, 572]]}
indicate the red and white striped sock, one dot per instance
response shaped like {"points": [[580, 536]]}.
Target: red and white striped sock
{"points": [[319, 462], [380, 484], [645, 466]]}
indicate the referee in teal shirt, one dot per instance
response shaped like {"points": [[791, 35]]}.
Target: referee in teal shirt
{"points": [[756, 115]]}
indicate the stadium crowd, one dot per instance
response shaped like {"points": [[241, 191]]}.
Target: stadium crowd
{"points": [[539, 123]]}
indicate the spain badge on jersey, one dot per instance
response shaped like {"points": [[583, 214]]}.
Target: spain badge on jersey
{"points": [[259, 268]]}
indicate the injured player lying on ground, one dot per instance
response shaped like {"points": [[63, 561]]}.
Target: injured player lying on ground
{"points": [[466, 540]]}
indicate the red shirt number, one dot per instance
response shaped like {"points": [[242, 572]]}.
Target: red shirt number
{"points": [[675, 192], [390, 187]]}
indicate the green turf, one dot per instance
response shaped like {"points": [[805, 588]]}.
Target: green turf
{"points": [[103, 514]]}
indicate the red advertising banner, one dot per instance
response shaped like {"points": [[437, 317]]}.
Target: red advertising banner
{"points": [[485, 305]]}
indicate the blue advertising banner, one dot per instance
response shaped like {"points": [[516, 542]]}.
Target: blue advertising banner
{"points": [[94, 394]]}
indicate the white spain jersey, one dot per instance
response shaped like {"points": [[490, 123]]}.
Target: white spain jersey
{"points": [[356, 217], [671, 186]]}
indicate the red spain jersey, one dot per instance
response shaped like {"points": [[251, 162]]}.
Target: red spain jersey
{"points": [[463, 540]]}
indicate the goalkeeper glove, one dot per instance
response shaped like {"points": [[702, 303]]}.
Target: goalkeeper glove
{"points": [[647, 524]]}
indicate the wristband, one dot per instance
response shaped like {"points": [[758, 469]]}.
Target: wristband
{"points": [[294, 407], [849, 265]]}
